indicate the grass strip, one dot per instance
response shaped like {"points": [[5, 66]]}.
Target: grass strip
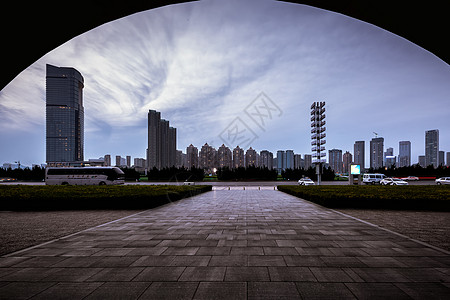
{"points": [[431, 198], [45, 198]]}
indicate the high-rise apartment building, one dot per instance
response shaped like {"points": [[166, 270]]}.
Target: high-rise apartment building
{"points": [[118, 160], [432, 147], [281, 161], [298, 161], [128, 161], [207, 158], [335, 160], [421, 161], [359, 154], [376, 152], [238, 157], [191, 156], [404, 153], [107, 159], [64, 116], [224, 157], [389, 157], [442, 158], [308, 161], [290, 159], [347, 160], [162, 142], [448, 159], [251, 157], [266, 159]]}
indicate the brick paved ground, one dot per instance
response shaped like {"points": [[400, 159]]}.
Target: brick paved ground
{"points": [[252, 244]]}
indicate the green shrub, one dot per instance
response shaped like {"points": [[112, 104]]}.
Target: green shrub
{"points": [[23, 197], [380, 197]]}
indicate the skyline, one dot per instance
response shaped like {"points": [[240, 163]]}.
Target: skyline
{"points": [[371, 80]]}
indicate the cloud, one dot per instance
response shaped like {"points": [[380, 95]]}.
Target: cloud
{"points": [[202, 63]]}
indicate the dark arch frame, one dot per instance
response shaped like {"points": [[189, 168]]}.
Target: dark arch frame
{"points": [[31, 30]]}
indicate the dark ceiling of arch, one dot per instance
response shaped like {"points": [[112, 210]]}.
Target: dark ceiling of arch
{"points": [[31, 30]]}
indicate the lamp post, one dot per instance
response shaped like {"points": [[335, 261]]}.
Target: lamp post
{"points": [[318, 136]]}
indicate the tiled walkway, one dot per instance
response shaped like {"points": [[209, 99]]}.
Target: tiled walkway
{"points": [[229, 244]]}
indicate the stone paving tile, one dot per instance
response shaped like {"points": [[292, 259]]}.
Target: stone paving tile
{"points": [[170, 291], [221, 290], [232, 244]]}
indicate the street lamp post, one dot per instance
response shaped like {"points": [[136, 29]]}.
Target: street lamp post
{"points": [[318, 136]]}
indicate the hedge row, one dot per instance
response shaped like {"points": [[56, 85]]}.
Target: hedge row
{"points": [[434, 198], [32, 198]]}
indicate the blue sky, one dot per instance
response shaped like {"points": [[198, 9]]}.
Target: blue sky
{"points": [[203, 64]]}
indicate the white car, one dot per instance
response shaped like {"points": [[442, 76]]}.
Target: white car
{"points": [[411, 178], [393, 181], [305, 181], [443, 180]]}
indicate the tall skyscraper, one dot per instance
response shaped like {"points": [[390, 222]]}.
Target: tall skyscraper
{"points": [[107, 160], [128, 161], [290, 159], [432, 147], [335, 160], [404, 153], [250, 158], [281, 161], [64, 116], [238, 157], [359, 154], [376, 152], [421, 161], [266, 159], [347, 159], [448, 159], [298, 162], [162, 142], [442, 158], [224, 157], [389, 157]]}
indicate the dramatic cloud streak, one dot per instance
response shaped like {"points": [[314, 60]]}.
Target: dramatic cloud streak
{"points": [[202, 63]]}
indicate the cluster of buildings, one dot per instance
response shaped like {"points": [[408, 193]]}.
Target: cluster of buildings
{"points": [[65, 141]]}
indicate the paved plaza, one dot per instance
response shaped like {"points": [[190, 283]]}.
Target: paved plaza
{"points": [[230, 244]]}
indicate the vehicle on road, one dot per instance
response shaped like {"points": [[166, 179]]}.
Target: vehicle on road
{"points": [[373, 178], [84, 176], [393, 181], [410, 178], [7, 179], [305, 181], [443, 180]]}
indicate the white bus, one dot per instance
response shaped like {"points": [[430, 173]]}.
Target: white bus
{"points": [[84, 176]]}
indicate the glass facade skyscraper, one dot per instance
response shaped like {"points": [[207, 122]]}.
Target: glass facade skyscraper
{"points": [[432, 148], [64, 116]]}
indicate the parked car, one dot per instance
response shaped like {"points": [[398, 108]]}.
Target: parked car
{"points": [[373, 178], [411, 178], [393, 181], [305, 181], [443, 180]]}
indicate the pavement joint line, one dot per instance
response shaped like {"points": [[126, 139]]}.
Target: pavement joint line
{"points": [[396, 233], [12, 254]]}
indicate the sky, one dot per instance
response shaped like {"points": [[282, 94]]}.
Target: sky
{"points": [[236, 73]]}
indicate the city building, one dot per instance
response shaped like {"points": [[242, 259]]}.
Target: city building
{"points": [[404, 154], [281, 161], [359, 153], [107, 159], [448, 159], [266, 159], [389, 157], [251, 157], [421, 161], [442, 158], [298, 161], [118, 160], [335, 160], [224, 157], [376, 152], [180, 159], [432, 147], [207, 158], [162, 142], [290, 159], [238, 157], [308, 161], [191, 157], [64, 116], [347, 160], [139, 162], [128, 161]]}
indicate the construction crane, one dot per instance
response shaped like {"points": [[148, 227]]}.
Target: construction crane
{"points": [[376, 134]]}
